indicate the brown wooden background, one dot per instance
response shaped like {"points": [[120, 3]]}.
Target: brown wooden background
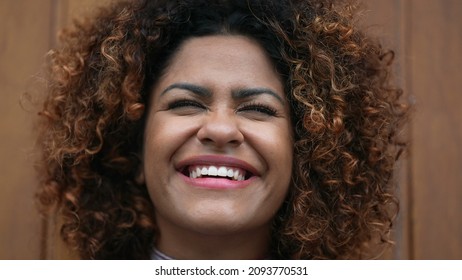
{"points": [[427, 37]]}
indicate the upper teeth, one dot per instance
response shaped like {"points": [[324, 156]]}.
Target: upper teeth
{"points": [[219, 171]]}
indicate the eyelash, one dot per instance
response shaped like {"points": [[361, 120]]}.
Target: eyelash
{"points": [[253, 106], [259, 107], [184, 103]]}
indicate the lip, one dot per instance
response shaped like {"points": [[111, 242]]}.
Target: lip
{"points": [[216, 183]]}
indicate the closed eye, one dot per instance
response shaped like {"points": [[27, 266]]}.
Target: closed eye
{"points": [[185, 103], [258, 108]]}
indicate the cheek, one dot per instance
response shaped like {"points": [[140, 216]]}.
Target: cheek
{"points": [[282, 154], [165, 134], [275, 145], [278, 140], [156, 139]]}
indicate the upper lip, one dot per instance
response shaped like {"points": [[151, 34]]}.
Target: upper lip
{"points": [[217, 160]]}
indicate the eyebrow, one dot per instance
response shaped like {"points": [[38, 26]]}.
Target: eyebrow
{"points": [[249, 92], [236, 94], [198, 90]]}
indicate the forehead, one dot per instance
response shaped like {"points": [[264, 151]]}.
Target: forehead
{"points": [[227, 47], [223, 58]]}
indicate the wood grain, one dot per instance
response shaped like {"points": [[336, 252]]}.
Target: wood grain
{"points": [[435, 71], [24, 32]]}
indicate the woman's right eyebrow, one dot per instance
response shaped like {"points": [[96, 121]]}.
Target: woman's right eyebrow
{"points": [[198, 90]]}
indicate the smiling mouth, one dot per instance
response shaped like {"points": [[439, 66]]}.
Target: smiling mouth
{"points": [[214, 171]]}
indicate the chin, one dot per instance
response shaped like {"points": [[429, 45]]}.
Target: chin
{"points": [[222, 224]]}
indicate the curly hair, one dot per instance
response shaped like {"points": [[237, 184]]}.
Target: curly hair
{"points": [[346, 116]]}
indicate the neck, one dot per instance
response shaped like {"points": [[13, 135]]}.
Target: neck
{"points": [[179, 243]]}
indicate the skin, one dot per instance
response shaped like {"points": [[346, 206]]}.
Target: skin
{"points": [[198, 108]]}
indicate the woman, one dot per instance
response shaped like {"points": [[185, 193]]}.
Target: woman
{"points": [[220, 130]]}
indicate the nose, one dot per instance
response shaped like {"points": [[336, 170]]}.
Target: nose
{"points": [[220, 129]]}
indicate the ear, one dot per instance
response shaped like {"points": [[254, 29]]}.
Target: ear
{"points": [[140, 178]]}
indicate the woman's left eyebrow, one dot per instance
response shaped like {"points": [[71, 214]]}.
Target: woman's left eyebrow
{"points": [[249, 92]]}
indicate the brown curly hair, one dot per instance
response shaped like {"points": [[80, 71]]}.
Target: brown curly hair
{"points": [[345, 112]]}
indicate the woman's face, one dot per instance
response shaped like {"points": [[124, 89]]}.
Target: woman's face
{"points": [[217, 153]]}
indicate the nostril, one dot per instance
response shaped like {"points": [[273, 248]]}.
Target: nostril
{"points": [[220, 133]]}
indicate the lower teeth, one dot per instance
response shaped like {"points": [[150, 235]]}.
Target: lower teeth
{"points": [[229, 178]]}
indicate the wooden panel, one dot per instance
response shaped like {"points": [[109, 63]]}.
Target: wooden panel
{"points": [[427, 36], [435, 33], [24, 29]]}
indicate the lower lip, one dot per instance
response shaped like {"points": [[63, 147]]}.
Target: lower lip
{"points": [[216, 183]]}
